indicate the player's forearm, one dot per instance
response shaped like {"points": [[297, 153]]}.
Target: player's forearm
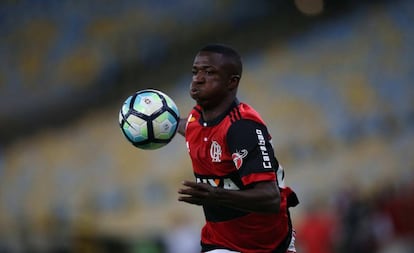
{"points": [[181, 126], [262, 199]]}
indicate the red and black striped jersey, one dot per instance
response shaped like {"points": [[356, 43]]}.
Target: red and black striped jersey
{"points": [[234, 151]]}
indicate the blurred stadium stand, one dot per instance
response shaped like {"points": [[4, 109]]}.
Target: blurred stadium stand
{"points": [[56, 51], [335, 88]]}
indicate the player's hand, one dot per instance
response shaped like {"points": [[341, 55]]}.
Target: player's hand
{"points": [[196, 193]]}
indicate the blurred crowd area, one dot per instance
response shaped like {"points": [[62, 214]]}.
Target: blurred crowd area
{"points": [[335, 88], [52, 51]]}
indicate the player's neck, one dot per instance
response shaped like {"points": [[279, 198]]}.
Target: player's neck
{"points": [[210, 114]]}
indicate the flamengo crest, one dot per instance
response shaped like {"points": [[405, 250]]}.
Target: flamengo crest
{"points": [[215, 152]]}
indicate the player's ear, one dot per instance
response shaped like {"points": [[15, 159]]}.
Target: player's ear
{"points": [[234, 81], [235, 78]]}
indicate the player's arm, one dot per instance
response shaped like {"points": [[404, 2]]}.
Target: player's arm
{"points": [[253, 155], [181, 126], [263, 197]]}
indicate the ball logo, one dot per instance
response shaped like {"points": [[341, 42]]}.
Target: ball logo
{"points": [[166, 127], [147, 101], [238, 158], [215, 152]]}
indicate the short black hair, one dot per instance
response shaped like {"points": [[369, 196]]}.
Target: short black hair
{"points": [[228, 52]]}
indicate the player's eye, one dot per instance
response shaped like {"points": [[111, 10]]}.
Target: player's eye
{"points": [[209, 72]]}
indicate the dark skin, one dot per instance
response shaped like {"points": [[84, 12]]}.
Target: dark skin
{"points": [[214, 87]]}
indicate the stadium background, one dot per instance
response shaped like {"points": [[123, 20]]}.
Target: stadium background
{"points": [[333, 80]]}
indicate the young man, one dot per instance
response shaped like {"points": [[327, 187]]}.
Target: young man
{"points": [[239, 182]]}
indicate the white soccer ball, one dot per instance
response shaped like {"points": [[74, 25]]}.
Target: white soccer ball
{"points": [[149, 119]]}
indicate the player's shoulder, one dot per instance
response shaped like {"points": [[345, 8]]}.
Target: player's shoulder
{"points": [[247, 112], [246, 125], [194, 114]]}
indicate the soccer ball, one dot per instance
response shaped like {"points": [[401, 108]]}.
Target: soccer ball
{"points": [[149, 119]]}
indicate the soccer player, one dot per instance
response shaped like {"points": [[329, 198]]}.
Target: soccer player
{"points": [[239, 182]]}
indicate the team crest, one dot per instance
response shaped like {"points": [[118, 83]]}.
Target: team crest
{"points": [[215, 152], [238, 158]]}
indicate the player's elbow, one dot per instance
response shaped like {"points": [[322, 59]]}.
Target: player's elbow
{"points": [[275, 206], [272, 203], [270, 196]]}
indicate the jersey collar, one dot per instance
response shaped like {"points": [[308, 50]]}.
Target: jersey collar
{"points": [[217, 120]]}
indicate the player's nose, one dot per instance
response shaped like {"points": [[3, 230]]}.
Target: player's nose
{"points": [[198, 77]]}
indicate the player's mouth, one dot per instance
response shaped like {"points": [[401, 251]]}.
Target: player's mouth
{"points": [[194, 91]]}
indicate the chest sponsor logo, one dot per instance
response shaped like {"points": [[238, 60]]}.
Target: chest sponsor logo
{"points": [[226, 183], [238, 158], [215, 152]]}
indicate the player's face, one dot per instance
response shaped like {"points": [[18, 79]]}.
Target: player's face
{"points": [[210, 83]]}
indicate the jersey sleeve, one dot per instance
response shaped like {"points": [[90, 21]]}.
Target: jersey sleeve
{"points": [[252, 152]]}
